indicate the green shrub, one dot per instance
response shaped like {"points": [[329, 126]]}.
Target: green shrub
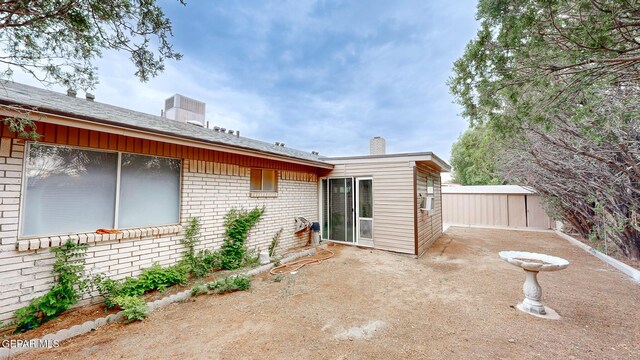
{"points": [[68, 271], [238, 223], [134, 308], [153, 278], [229, 284], [199, 289]]}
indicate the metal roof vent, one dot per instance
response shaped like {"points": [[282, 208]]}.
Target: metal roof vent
{"points": [[71, 92], [277, 143], [90, 96]]}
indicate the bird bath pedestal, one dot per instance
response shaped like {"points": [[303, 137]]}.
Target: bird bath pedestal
{"points": [[532, 264]]}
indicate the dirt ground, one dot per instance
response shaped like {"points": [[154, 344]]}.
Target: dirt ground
{"points": [[457, 301]]}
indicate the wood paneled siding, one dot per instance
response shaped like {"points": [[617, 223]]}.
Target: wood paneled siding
{"points": [[429, 223], [64, 135], [392, 201]]}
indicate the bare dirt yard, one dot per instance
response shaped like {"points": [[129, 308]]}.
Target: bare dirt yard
{"points": [[457, 301]]}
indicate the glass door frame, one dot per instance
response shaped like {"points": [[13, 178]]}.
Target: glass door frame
{"points": [[354, 214], [357, 208]]}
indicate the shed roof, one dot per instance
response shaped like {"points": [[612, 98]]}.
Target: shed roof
{"points": [[488, 189], [51, 102], [418, 156]]}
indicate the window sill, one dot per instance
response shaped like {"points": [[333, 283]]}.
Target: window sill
{"points": [[92, 238], [263, 194]]}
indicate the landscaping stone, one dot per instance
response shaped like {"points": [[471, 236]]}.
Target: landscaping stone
{"points": [[75, 330], [62, 335], [88, 326], [100, 322]]}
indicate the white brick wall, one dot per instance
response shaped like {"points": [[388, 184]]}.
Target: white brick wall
{"points": [[27, 274]]}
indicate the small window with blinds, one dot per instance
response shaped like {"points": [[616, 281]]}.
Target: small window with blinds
{"points": [[263, 180]]}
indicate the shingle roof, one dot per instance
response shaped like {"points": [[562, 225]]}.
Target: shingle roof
{"points": [[54, 102]]}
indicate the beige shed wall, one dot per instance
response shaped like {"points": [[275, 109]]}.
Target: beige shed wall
{"points": [[393, 208], [429, 223], [502, 210]]}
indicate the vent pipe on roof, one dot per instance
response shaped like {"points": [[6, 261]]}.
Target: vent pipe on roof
{"points": [[238, 133], [71, 92]]}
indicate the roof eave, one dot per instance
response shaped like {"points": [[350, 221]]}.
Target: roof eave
{"points": [[67, 119]]}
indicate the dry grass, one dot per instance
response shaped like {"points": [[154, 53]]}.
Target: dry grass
{"points": [[455, 302]]}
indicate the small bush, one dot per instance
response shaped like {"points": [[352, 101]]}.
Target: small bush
{"points": [[230, 284], [134, 308], [199, 289], [153, 278], [278, 278]]}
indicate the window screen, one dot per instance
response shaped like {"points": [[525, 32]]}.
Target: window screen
{"points": [[264, 180], [149, 191], [68, 190]]}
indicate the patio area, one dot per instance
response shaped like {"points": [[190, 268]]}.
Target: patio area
{"points": [[457, 301]]}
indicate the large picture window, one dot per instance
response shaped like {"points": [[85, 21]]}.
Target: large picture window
{"points": [[70, 190]]}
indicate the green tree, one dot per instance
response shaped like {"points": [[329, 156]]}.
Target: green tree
{"points": [[473, 158], [559, 83], [57, 41]]}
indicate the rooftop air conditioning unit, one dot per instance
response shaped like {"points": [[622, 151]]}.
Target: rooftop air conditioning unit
{"points": [[184, 109]]}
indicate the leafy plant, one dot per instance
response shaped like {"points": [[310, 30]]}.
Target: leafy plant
{"points": [[274, 242], [153, 278], [68, 271], [238, 223], [134, 307], [229, 284], [278, 278]]}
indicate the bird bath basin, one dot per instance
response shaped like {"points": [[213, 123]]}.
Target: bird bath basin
{"points": [[532, 264]]}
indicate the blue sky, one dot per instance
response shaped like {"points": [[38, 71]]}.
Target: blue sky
{"points": [[316, 75]]}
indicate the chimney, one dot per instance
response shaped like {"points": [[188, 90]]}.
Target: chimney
{"points": [[377, 146], [90, 96], [71, 92]]}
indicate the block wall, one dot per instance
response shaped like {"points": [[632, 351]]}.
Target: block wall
{"points": [[26, 264]]}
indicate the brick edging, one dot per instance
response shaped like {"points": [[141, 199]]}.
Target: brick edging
{"points": [[88, 326], [622, 267]]}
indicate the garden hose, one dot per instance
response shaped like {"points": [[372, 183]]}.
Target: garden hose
{"points": [[298, 264]]}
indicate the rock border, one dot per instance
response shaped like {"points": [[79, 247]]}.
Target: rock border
{"points": [[48, 340], [622, 267]]}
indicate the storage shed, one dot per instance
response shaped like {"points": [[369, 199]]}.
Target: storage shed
{"points": [[511, 206], [387, 201]]}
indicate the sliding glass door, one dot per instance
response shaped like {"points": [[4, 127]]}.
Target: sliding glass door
{"points": [[347, 210]]}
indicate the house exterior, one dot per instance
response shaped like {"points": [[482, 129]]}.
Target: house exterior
{"points": [[98, 166], [390, 202]]}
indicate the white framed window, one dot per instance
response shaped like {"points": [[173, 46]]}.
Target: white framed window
{"points": [[430, 198], [264, 180], [70, 190]]}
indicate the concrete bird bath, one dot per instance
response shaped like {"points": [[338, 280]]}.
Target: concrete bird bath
{"points": [[532, 264]]}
